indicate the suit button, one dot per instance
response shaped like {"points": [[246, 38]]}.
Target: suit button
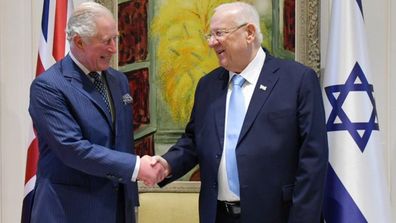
{"points": [[214, 186], [218, 156]]}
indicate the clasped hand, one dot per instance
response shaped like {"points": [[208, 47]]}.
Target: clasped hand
{"points": [[153, 169]]}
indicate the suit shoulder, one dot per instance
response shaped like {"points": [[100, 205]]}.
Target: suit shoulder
{"points": [[292, 66], [287, 63], [217, 73], [112, 70], [118, 74], [290, 71], [51, 75]]}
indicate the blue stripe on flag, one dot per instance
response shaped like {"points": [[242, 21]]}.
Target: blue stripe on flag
{"points": [[44, 19], [339, 206], [359, 2]]}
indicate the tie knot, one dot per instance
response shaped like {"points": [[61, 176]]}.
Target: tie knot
{"points": [[238, 80], [94, 75]]}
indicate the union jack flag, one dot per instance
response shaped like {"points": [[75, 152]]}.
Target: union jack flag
{"points": [[52, 47]]}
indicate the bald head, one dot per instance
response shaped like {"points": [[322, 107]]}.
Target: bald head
{"points": [[241, 13]]}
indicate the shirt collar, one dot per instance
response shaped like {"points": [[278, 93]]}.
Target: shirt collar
{"points": [[252, 72], [81, 66]]}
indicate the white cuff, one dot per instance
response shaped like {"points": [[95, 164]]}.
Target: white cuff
{"points": [[136, 170]]}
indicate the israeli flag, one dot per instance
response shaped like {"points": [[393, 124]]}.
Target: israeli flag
{"points": [[357, 189]]}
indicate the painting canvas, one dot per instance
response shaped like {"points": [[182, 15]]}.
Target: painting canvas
{"points": [[133, 31], [139, 87], [182, 54]]}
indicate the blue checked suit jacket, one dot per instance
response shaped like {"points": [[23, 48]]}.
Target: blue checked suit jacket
{"points": [[83, 158], [282, 150]]}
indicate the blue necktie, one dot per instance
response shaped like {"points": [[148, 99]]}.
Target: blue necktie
{"points": [[99, 85], [235, 117]]}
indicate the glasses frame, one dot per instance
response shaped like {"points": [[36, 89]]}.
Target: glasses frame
{"points": [[221, 33]]}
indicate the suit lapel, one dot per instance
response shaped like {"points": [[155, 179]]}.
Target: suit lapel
{"points": [[219, 105], [82, 83], [264, 86], [115, 93]]}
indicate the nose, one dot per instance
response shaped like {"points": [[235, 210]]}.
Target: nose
{"points": [[212, 41], [113, 46]]}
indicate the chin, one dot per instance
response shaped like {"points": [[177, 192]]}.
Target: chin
{"points": [[104, 67], [225, 65]]}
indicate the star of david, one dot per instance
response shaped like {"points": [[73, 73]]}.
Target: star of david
{"points": [[351, 85]]}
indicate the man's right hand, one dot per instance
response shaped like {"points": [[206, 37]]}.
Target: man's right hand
{"points": [[163, 163], [150, 172]]}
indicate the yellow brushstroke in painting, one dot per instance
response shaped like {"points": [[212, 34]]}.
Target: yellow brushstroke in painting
{"points": [[183, 55]]}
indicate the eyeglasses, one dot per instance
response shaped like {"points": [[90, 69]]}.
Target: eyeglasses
{"points": [[221, 33]]}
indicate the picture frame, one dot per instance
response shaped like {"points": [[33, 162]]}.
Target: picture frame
{"points": [[307, 33]]}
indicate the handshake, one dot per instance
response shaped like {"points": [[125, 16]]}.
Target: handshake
{"points": [[153, 169]]}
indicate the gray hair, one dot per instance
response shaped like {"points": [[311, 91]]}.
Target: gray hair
{"points": [[246, 14], [83, 20]]}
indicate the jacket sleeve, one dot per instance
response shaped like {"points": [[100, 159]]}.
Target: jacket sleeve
{"points": [[313, 152], [60, 133], [182, 156]]}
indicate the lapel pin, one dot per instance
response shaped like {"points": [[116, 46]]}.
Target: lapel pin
{"points": [[262, 87]]}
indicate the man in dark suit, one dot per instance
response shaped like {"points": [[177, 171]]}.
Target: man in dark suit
{"points": [[261, 144], [82, 111]]}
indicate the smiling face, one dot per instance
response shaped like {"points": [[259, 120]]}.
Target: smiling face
{"points": [[95, 52], [232, 49]]}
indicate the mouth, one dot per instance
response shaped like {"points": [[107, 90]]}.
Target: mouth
{"points": [[220, 52], [107, 58]]}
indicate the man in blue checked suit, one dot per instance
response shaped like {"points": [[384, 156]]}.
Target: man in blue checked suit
{"points": [[257, 131], [82, 112]]}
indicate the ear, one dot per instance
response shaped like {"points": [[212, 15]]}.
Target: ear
{"points": [[251, 31], [78, 42]]}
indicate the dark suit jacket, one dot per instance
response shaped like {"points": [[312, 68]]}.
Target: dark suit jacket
{"points": [[282, 150], [83, 158]]}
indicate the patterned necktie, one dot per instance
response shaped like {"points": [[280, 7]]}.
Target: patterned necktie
{"points": [[235, 117], [99, 85]]}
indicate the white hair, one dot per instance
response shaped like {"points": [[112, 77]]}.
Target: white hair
{"points": [[246, 14], [83, 20]]}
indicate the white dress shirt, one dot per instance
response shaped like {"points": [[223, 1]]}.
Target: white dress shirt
{"points": [[251, 74]]}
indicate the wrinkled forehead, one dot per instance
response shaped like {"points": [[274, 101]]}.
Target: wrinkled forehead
{"points": [[223, 19]]}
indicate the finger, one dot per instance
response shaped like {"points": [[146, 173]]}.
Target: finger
{"points": [[147, 183], [153, 161], [160, 160]]}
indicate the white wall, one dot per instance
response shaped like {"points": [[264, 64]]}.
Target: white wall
{"points": [[391, 54], [381, 34], [379, 21], [15, 77]]}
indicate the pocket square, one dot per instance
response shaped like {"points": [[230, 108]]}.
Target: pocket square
{"points": [[127, 99]]}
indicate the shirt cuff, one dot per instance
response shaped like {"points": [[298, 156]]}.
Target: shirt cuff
{"points": [[136, 170]]}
